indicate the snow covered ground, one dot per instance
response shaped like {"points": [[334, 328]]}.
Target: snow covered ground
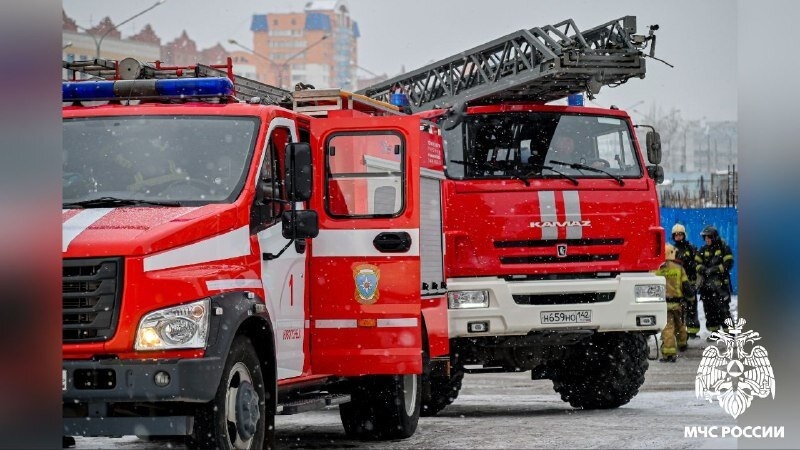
{"points": [[511, 411]]}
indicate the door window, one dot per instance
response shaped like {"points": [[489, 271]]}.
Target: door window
{"points": [[364, 175]]}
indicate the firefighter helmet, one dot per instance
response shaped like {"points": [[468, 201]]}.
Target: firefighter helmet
{"points": [[678, 228], [711, 232], [671, 253]]}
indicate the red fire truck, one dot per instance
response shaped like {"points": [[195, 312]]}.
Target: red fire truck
{"points": [[232, 251], [551, 221]]}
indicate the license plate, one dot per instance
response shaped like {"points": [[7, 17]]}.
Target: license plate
{"points": [[581, 316], [63, 380]]}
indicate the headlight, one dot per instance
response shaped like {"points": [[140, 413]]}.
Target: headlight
{"points": [[184, 326], [646, 293], [467, 299]]}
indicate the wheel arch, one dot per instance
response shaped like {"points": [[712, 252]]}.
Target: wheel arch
{"points": [[261, 334], [244, 314]]}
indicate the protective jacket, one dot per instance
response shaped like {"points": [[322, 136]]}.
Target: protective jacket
{"points": [[713, 265], [676, 279], [686, 253], [674, 334]]}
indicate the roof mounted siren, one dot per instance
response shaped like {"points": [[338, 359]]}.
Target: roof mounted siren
{"points": [[575, 100], [399, 98]]}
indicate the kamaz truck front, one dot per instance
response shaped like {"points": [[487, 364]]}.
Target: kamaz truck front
{"points": [[551, 220]]}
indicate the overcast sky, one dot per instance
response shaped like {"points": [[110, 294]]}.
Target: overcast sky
{"points": [[697, 37]]}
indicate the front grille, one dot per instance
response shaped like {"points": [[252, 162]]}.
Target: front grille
{"points": [[546, 251], [543, 259], [553, 242], [561, 276], [91, 290], [564, 299]]}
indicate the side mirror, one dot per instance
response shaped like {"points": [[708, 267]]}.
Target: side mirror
{"points": [[454, 116], [298, 171], [653, 140], [656, 173], [300, 224]]}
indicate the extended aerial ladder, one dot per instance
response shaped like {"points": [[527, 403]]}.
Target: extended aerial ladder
{"points": [[539, 64]]}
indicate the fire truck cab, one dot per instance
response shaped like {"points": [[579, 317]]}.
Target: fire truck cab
{"points": [[551, 219], [227, 258]]}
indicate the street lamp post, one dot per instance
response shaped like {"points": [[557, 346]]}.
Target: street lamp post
{"points": [[99, 42], [280, 66], [285, 63], [252, 52]]}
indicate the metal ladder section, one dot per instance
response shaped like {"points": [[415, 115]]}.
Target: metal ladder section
{"points": [[540, 64], [132, 69]]}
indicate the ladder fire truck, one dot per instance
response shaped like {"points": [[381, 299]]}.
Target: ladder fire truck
{"points": [[551, 221], [233, 251]]}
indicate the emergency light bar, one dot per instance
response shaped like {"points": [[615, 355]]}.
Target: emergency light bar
{"points": [[181, 88], [399, 99]]}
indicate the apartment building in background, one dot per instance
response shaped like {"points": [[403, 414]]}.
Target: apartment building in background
{"points": [[317, 46]]}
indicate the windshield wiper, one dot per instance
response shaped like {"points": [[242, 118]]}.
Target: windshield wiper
{"points": [[101, 202], [581, 166], [524, 180], [568, 177]]}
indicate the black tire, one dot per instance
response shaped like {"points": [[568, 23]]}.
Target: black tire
{"points": [[382, 407], [603, 372], [441, 392], [249, 424]]}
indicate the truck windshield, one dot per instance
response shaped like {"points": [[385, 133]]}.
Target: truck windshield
{"points": [[187, 159], [527, 145]]}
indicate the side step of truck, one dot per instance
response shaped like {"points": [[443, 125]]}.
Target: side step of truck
{"points": [[313, 402], [477, 368]]}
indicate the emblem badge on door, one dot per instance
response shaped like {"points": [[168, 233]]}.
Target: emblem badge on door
{"points": [[561, 249], [366, 277]]}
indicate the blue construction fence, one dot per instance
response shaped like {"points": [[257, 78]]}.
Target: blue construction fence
{"points": [[695, 219]]}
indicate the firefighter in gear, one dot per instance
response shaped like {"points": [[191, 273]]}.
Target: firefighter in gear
{"points": [[674, 335], [714, 263], [685, 257]]}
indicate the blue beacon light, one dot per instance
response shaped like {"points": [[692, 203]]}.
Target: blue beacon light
{"points": [[87, 90], [195, 87], [575, 100], [398, 98], [138, 89]]}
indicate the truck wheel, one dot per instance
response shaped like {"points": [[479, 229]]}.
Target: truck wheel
{"points": [[237, 418], [382, 407], [443, 391], [603, 372]]}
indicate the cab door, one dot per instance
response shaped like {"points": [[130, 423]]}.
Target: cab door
{"points": [[283, 276], [365, 269]]}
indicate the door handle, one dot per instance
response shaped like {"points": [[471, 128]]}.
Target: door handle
{"points": [[392, 242]]}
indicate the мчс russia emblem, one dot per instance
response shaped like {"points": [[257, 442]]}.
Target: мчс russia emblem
{"points": [[734, 376], [366, 278]]}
